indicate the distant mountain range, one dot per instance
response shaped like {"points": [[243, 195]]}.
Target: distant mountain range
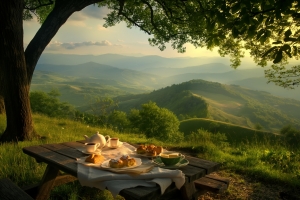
{"points": [[154, 72]]}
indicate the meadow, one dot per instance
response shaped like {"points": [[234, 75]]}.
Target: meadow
{"points": [[266, 161]]}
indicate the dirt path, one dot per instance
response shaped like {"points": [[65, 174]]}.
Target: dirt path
{"points": [[244, 188]]}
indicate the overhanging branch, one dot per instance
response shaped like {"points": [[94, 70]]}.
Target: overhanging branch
{"points": [[38, 6]]}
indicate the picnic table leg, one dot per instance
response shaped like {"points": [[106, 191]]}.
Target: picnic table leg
{"points": [[47, 183], [187, 191]]}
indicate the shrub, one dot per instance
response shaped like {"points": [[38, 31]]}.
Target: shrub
{"points": [[156, 122], [49, 104]]}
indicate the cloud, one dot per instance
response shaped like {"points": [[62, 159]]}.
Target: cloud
{"points": [[73, 45], [95, 11]]}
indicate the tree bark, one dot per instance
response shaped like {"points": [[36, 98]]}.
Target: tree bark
{"points": [[2, 107], [13, 66]]}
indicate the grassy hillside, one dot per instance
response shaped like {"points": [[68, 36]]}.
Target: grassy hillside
{"points": [[228, 103], [265, 162], [234, 133]]}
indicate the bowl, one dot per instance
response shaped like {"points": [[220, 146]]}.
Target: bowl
{"points": [[170, 158]]}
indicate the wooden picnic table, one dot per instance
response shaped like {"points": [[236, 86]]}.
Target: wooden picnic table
{"points": [[62, 168]]}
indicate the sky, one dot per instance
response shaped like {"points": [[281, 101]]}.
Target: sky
{"points": [[84, 33]]}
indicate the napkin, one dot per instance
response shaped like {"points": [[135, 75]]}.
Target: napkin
{"points": [[115, 182]]}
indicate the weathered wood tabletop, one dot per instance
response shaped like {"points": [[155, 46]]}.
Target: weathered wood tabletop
{"points": [[62, 158]]}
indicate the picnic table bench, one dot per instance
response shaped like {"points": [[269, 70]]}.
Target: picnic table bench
{"points": [[62, 168]]}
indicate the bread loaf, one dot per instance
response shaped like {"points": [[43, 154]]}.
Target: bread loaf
{"points": [[94, 158]]}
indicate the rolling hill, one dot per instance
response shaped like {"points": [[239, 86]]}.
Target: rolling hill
{"points": [[227, 103]]}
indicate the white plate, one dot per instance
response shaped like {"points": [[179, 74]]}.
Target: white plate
{"points": [[105, 164], [119, 145], [98, 151]]}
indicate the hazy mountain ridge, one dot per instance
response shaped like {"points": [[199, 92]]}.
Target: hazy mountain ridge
{"points": [[128, 62]]}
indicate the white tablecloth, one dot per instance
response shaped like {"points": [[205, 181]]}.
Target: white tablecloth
{"points": [[95, 177]]}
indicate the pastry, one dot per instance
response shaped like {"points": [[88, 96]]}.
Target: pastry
{"points": [[158, 150], [114, 163], [151, 153], [150, 147], [141, 149], [94, 158], [128, 161]]}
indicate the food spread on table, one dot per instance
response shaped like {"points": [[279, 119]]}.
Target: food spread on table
{"points": [[124, 161], [149, 150]]}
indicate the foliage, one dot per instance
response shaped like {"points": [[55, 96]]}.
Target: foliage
{"points": [[156, 122], [257, 126], [103, 108], [119, 120], [49, 104], [292, 135], [282, 159]]}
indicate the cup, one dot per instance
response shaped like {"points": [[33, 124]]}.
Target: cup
{"points": [[91, 147], [171, 158], [114, 142]]}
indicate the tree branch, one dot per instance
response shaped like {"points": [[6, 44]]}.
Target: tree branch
{"points": [[39, 6]]}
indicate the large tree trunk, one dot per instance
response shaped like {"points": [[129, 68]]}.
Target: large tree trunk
{"points": [[13, 66], [2, 107]]}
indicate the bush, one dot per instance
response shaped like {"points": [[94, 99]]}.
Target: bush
{"points": [[49, 104], [292, 135], [156, 122]]}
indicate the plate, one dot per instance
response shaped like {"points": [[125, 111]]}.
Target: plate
{"points": [[98, 151], [144, 155], [105, 164], [119, 145], [183, 162]]}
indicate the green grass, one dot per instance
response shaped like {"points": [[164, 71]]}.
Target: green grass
{"points": [[234, 133], [263, 160]]}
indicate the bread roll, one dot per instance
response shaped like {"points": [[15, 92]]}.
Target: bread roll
{"points": [[94, 158], [158, 149], [114, 163], [141, 149]]}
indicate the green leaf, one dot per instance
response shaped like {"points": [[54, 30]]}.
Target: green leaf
{"points": [[235, 8], [277, 42], [286, 48], [288, 33], [295, 50], [278, 14], [251, 31], [235, 32], [290, 39], [269, 51], [289, 54], [259, 34], [278, 57]]}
